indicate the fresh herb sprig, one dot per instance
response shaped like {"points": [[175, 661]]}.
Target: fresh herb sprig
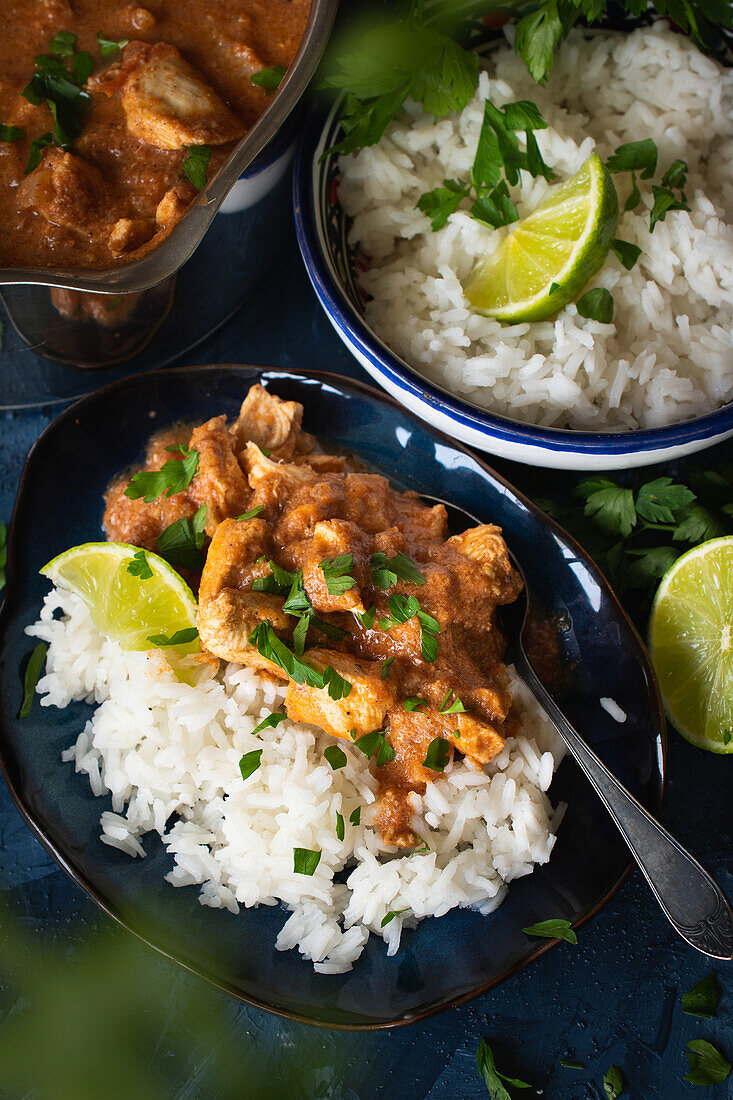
{"points": [[268, 644], [62, 90], [175, 476], [494, 1078], [182, 543]]}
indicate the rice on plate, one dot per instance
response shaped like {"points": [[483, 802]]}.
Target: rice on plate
{"points": [[168, 754], [667, 356]]}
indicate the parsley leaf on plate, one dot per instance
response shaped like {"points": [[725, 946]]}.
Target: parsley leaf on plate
{"points": [[367, 618], [571, 1065], [413, 702], [250, 762], [635, 156], [552, 930], [702, 999], [664, 201], [182, 542], [355, 816], [707, 1064], [491, 1075], [386, 572], [627, 253], [139, 567], [456, 707], [386, 665], [10, 133], [266, 641], [335, 756], [609, 504], [180, 637], [613, 1082], [376, 742], [109, 46], [270, 722], [391, 915], [251, 514], [33, 671], [175, 476], [196, 165], [438, 755], [441, 202], [305, 861], [340, 831], [658, 500], [269, 79], [337, 573], [596, 305]]}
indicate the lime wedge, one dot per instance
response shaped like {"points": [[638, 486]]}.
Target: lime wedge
{"points": [[547, 258], [691, 644], [123, 606]]}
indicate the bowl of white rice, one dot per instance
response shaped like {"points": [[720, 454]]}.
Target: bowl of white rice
{"points": [[570, 392]]}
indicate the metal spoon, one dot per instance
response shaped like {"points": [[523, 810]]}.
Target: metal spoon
{"points": [[693, 903]]}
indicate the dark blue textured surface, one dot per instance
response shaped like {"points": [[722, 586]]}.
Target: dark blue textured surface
{"points": [[613, 998]]}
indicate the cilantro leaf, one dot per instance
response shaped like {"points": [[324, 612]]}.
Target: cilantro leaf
{"points": [[611, 506], [571, 1065], [702, 999], [627, 253], [32, 674], [438, 755], [10, 133], [279, 581], [251, 514], [338, 687], [386, 665], [63, 44], [376, 742], [109, 46], [300, 634], [34, 157], [696, 523], [658, 500], [524, 115], [267, 643], [707, 1064], [664, 201], [305, 861], [552, 930], [180, 637], [652, 562], [613, 1082], [401, 608], [336, 757], [196, 165], [175, 476], [456, 707], [441, 202], [391, 916], [139, 567], [635, 156], [181, 543], [413, 702], [537, 37], [597, 305], [250, 762], [491, 1075], [496, 208], [676, 175], [355, 816], [634, 197], [336, 572], [269, 79], [340, 831], [272, 721], [368, 617], [385, 572]]}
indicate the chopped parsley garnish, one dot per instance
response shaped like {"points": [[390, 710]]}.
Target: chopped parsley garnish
{"points": [[456, 707], [300, 634], [438, 755], [278, 582], [413, 702], [613, 1082], [340, 831], [251, 514], [37, 146], [182, 542], [181, 637], [269, 79], [355, 816], [627, 253], [274, 649], [270, 722], [376, 742], [62, 90], [113, 303], [664, 201], [63, 44], [386, 665], [428, 638], [336, 572], [391, 916], [10, 133], [386, 572], [109, 46], [702, 999], [571, 1065], [33, 671], [707, 1064], [196, 165], [175, 476], [335, 756], [305, 861], [139, 567], [401, 608], [367, 618], [250, 762], [491, 1075], [552, 930], [635, 156], [596, 305], [424, 847]]}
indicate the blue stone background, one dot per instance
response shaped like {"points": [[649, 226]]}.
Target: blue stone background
{"points": [[615, 998]]}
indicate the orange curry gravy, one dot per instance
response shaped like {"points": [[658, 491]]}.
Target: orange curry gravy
{"points": [[422, 702], [183, 80]]}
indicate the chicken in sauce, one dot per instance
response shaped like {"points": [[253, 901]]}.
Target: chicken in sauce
{"points": [[103, 105], [329, 579]]}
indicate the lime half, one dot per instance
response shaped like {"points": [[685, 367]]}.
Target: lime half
{"points": [[126, 606], [547, 258], [691, 644]]}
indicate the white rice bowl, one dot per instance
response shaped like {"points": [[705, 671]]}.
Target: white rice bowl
{"points": [[166, 755], [668, 354]]}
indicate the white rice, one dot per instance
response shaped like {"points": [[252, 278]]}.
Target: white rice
{"points": [[668, 355], [166, 754]]}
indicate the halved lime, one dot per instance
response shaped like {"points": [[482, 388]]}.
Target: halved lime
{"points": [[691, 644], [127, 607], [547, 258]]}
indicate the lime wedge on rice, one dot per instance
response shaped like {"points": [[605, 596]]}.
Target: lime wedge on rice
{"points": [[547, 258], [691, 644], [123, 606]]}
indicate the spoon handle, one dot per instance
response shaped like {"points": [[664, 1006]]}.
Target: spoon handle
{"points": [[692, 902]]}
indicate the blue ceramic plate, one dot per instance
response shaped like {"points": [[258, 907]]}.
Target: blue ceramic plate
{"points": [[444, 961]]}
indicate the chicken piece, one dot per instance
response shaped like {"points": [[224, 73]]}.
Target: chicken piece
{"points": [[269, 422], [104, 309], [331, 538], [174, 204], [273, 483], [66, 191], [475, 738], [362, 711], [166, 101], [219, 483], [322, 464], [226, 624], [127, 234], [419, 522], [485, 545], [231, 561]]}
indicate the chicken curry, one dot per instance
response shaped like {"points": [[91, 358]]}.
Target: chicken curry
{"points": [[113, 115], [325, 577]]}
